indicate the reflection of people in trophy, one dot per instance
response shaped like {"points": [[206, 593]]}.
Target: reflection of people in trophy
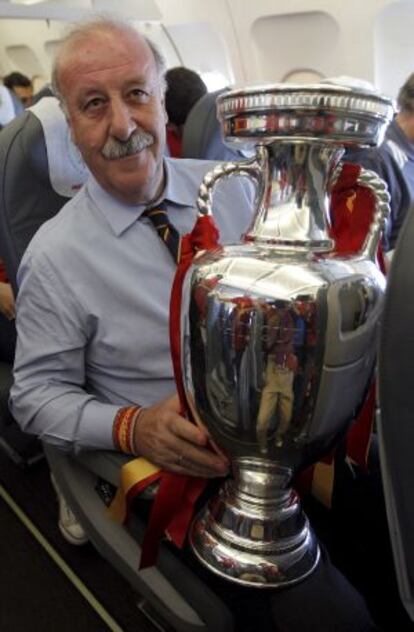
{"points": [[276, 404], [242, 315]]}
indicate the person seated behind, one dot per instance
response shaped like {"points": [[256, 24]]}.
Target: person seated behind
{"points": [[21, 86], [7, 315], [85, 372], [393, 160], [184, 88]]}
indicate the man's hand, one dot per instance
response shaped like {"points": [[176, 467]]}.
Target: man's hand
{"points": [[7, 301], [169, 440]]}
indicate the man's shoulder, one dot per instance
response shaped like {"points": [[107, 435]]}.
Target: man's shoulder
{"points": [[189, 169], [396, 151], [191, 173], [191, 164], [193, 169], [379, 159]]}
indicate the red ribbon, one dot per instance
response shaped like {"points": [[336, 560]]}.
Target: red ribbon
{"points": [[352, 212], [174, 504], [352, 207]]}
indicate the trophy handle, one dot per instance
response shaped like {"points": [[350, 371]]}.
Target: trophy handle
{"points": [[377, 186], [252, 169]]}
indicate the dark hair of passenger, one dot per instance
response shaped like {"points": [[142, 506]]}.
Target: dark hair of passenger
{"points": [[405, 97], [184, 88], [16, 79]]}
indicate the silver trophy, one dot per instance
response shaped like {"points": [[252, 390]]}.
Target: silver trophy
{"points": [[279, 333]]}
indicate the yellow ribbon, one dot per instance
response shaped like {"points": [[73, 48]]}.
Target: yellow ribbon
{"points": [[132, 473]]}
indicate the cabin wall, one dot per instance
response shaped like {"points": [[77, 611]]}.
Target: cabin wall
{"points": [[27, 46]]}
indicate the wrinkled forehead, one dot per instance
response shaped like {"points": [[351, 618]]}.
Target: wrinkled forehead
{"points": [[104, 52]]}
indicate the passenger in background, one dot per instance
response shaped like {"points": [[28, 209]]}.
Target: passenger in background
{"points": [[184, 88], [21, 86], [394, 161]]}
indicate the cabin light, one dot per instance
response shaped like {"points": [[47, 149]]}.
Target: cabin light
{"points": [[27, 2], [214, 80]]}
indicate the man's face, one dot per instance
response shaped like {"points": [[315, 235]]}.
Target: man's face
{"points": [[116, 112], [25, 94]]}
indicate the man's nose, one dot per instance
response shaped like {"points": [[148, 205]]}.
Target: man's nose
{"points": [[122, 123]]}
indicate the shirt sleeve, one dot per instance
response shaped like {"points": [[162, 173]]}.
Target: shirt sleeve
{"points": [[49, 396]]}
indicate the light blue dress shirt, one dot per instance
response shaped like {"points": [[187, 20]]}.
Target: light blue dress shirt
{"points": [[93, 307]]}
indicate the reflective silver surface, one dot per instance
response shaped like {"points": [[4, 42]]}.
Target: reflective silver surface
{"points": [[278, 346], [261, 323], [332, 113]]}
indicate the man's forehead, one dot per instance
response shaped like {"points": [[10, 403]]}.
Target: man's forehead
{"points": [[97, 55]]}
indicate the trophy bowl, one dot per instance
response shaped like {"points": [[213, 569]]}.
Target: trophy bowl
{"points": [[279, 333]]}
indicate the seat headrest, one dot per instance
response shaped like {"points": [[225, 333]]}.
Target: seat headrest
{"points": [[40, 169], [67, 170], [202, 137], [7, 112]]}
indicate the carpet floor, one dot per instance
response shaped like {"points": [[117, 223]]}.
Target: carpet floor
{"points": [[35, 594]]}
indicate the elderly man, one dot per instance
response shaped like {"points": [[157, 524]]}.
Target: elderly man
{"points": [[93, 353]]}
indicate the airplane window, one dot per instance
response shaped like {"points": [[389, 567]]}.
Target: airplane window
{"points": [[303, 75]]}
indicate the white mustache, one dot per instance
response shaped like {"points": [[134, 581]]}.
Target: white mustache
{"points": [[115, 148]]}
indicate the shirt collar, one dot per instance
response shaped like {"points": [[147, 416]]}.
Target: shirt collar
{"points": [[121, 216]]}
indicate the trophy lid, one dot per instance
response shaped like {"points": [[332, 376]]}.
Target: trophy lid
{"points": [[328, 112]]}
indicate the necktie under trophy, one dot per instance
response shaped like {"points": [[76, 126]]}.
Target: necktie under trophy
{"points": [[279, 333]]}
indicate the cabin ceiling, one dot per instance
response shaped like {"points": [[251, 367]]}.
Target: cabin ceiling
{"points": [[75, 9]]}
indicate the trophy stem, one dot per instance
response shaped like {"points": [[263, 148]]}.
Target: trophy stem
{"points": [[293, 209], [254, 532]]}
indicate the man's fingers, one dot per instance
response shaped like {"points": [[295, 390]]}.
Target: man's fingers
{"points": [[188, 431], [166, 438], [199, 461], [172, 403]]}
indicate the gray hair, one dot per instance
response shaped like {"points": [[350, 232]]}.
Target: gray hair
{"points": [[83, 30], [405, 97]]}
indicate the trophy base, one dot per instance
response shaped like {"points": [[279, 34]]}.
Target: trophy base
{"points": [[261, 542]]}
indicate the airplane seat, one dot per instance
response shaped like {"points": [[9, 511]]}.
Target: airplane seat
{"points": [[16, 444], [32, 192], [24, 162], [23, 169], [7, 111], [17, 103], [202, 137], [395, 418]]}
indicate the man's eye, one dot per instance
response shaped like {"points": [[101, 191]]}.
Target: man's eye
{"points": [[138, 95], [93, 104]]}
